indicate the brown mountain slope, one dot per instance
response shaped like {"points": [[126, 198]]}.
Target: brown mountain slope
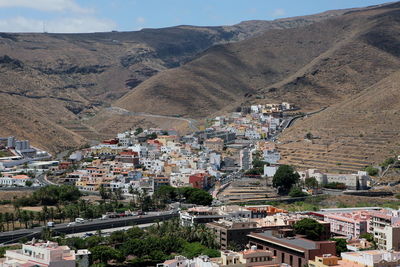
{"points": [[359, 131], [313, 66], [56, 79]]}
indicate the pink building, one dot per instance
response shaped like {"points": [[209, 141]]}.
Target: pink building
{"points": [[350, 224]]}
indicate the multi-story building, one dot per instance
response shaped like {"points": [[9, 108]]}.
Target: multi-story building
{"points": [[160, 180], [349, 224], [385, 227], [245, 159], [234, 231], [293, 250]]}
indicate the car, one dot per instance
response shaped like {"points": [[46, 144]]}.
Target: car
{"points": [[79, 220], [71, 224], [50, 224]]}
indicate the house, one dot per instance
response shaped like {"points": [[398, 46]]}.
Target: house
{"points": [[200, 180], [128, 156], [293, 250]]}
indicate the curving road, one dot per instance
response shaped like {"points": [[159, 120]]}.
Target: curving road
{"points": [[191, 122]]}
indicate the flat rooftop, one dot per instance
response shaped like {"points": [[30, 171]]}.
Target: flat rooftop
{"points": [[295, 242]]}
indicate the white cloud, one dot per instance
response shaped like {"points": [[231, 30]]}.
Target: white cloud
{"points": [[61, 25], [140, 20], [46, 5], [279, 12]]}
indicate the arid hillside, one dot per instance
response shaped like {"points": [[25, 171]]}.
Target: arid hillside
{"points": [[56, 88], [362, 130], [313, 66], [52, 83]]}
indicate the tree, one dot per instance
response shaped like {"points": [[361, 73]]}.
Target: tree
{"points": [[104, 254], [200, 197], [309, 136], [341, 245], [138, 131], [372, 171], [284, 178], [28, 183], [103, 193], [311, 182], [310, 228], [297, 192]]}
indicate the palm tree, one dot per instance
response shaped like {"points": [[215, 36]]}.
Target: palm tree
{"points": [[40, 216], [45, 211], [51, 213], [24, 218], [32, 217], [2, 222]]}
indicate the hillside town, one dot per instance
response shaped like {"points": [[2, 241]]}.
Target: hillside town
{"points": [[152, 174]]}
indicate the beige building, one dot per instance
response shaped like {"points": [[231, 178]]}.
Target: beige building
{"points": [[329, 260], [249, 258]]}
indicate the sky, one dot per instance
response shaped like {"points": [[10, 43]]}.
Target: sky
{"points": [[68, 16]]}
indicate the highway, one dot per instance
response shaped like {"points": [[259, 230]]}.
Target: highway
{"points": [[94, 225]]}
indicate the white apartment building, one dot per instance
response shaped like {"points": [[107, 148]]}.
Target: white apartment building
{"points": [[16, 180], [385, 227], [42, 254]]}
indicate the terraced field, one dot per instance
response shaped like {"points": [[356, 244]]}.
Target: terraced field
{"points": [[247, 190], [343, 154]]}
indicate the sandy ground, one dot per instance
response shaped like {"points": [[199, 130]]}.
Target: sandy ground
{"points": [[10, 195]]}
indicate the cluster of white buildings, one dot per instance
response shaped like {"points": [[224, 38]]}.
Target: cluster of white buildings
{"points": [[21, 153]]}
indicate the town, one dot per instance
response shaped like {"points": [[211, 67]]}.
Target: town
{"points": [[218, 180]]}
